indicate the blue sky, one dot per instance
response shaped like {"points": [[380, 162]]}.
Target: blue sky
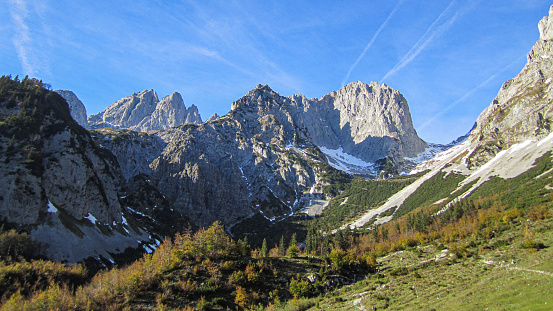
{"points": [[448, 58]]}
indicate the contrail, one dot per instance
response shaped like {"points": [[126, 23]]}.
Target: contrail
{"points": [[429, 35], [371, 42], [468, 94]]}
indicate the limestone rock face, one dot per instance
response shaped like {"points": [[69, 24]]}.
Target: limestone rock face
{"points": [[76, 107], [522, 109], [192, 115], [53, 160], [545, 26], [230, 168], [62, 187], [144, 112], [369, 121], [139, 149], [264, 154]]}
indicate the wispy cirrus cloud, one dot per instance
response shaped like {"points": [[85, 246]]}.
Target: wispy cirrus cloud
{"points": [[22, 38], [368, 46], [468, 94], [442, 24]]}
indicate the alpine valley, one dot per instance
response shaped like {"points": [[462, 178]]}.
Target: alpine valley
{"points": [[285, 203]]}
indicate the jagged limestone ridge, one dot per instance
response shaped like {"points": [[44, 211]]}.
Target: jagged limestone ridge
{"points": [[522, 109], [144, 112]]}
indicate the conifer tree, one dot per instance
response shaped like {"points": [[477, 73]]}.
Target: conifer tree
{"points": [[312, 240], [281, 248], [293, 247], [264, 249]]}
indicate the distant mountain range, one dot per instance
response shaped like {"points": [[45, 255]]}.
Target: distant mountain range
{"points": [[146, 168]]}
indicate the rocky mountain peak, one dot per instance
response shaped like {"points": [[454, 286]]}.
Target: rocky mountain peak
{"points": [[144, 112], [263, 91], [545, 26], [193, 115], [174, 99], [522, 108], [370, 121], [261, 95], [213, 117]]}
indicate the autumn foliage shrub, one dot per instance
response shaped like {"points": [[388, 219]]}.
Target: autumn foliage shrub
{"points": [[16, 246]]}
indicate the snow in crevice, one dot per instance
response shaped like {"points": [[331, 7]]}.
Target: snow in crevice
{"points": [[91, 218], [124, 220], [147, 249], [345, 201], [52, 208], [139, 213], [269, 219], [546, 139], [243, 175]]}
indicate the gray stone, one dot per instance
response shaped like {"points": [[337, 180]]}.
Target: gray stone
{"points": [[522, 109], [144, 112], [76, 107], [261, 157]]}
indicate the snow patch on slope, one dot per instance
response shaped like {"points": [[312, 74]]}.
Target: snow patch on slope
{"points": [[342, 161], [428, 153]]}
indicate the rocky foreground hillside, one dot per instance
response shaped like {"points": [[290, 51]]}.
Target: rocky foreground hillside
{"points": [[61, 187]]}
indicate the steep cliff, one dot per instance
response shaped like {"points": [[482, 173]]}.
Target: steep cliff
{"points": [[76, 107], [61, 187], [522, 109]]}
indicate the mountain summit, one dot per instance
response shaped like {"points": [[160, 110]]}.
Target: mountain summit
{"points": [[369, 121], [365, 122], [144, 112]]}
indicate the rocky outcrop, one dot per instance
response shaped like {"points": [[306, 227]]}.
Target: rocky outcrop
{"points": [[60, 186], [192, 115], [144, 112], [213, 117], [50, 158], [522, 109], [140, 149], [76, 107], [368, 121]]}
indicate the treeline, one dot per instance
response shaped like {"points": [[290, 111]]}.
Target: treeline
{"points": [[469, 223], [204, 270]]}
